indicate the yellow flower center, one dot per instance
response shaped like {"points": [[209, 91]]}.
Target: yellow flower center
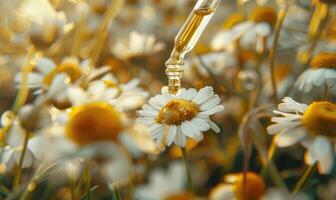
{"points": [[264, 14], [324, 60], [177, 111], [254, 187], [233, 20], [320, 118], [72, 70], [93, 122]]}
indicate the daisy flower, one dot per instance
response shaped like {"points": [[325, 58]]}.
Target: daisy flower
{"points": [[313, 125], [128, 96], [322, 72], [47, 76], [233, 189], [47, 25], [14, 141], [163, 184], [137, 45], [174, 118], [260, 24]]}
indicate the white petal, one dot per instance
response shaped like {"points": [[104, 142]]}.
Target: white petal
{"points": [[171, 135], [180, 139], [214, 126], [146, 113], [203, 95], [146, 121], [190, 130], [156, 130], [280, 127], [201, 124], [290, 137], [77, 95], [214, 101], [213, 110], [321, 150], [45, 65]]}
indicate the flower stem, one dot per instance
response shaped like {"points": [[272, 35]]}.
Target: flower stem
{"points": [[187, 169], [116, 193], [325, 92], [102, 33], [18, 171], [281, 17], [304, 179], [87, 180]]}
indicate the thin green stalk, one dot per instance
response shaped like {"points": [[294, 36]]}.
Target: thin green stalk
{"points": [[304, 179], [116, 193], [87, 180], [326, 92], [187, 169], [18, 171], [102, 33], [281, 17]]}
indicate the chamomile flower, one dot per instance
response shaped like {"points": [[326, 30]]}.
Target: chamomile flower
{"points": [[128, 96], [14, 146], [137, 45], [51, 78], [174, 118], [313, 125], [163, 184], [260, 24], [322, 72], [233, 189]]}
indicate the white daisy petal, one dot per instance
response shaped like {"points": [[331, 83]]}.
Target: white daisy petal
{"points": [[290, 137], [171, 135], [213, 110], [214, 126], [45, 65], [153, 102], [180, 139], [280, 127], [156, 130], [146, 113], [146, 121], [201, 124], [203, 95], [191, 131], [320, 150], [214, 101]]}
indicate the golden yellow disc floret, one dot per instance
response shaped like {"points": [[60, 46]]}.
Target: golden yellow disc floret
{"points": [[71, 69], [320, 118], [177, 111], [254, 187], [93, 122], [324, 60], [264, 14]]}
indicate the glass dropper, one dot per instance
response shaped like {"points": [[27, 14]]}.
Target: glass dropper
{"points": [[186, 40]]}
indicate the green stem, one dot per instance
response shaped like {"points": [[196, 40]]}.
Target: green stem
{"points": [[325, 92], [87, 181], [187, 169], [116, 193], [304, 179], [18, 171], [281, 17]]}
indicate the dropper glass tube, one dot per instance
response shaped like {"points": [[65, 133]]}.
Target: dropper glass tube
{"points": [[186, 40]]}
